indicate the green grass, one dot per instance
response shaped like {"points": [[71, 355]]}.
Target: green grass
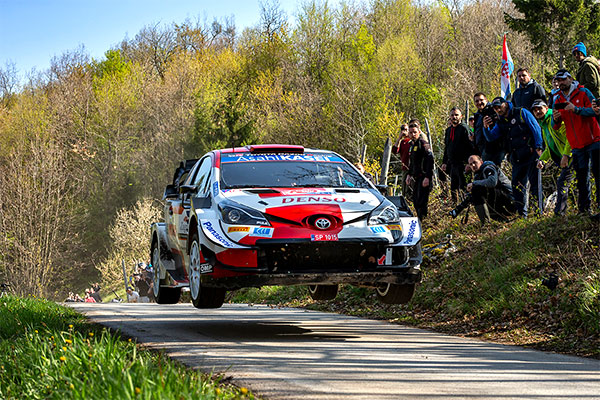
{"points": [[50, 352], [492, 286]]}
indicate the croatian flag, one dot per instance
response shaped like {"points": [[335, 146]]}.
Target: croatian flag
{"points": [[507, 69]]}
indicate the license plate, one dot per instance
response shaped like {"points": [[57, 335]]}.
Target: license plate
{"points": [[324, 238]]}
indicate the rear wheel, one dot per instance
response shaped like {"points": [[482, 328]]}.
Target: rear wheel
{"points": [[163, 295], [202, 297], [392, 293], [323, 292]]}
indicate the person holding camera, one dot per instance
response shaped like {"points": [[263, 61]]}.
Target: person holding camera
{"points": [[457, 150], [489, 151], [524, 136], [558, 150], [490, 192], [574, 106], [420, 169]]}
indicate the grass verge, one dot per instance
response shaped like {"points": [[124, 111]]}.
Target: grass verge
{"points": [[491, 287], [48, 351]]}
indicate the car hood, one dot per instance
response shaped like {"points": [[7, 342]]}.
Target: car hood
{"points": [[305, 201]]}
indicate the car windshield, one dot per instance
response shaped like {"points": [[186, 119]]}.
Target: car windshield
{"points": [[241, 170]]}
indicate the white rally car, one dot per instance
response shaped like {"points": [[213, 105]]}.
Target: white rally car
{"points": [[281, 215]]}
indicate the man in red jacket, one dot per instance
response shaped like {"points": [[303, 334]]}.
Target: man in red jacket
{"points": [[573, 107]]}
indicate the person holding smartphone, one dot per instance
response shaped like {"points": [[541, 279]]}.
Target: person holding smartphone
{"points": [[573, 107]]}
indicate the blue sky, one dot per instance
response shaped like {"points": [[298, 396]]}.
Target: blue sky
{"points": [[32, 32]]}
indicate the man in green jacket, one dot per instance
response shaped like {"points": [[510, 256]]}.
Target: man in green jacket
{"points": [[558, 150], [588, 73]]}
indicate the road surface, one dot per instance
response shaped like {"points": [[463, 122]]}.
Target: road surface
{"points": [[298, 354]]}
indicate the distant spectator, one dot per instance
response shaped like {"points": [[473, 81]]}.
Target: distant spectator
{"points": [[529, 90], [88, 297], [490, 151], [132, 295], [457, 150], [588, 73], [95, 292], [583, 134], [420, 170], [402, 147]]}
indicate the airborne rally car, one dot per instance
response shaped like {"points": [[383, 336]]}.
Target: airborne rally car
{"points": [[281, 215]]}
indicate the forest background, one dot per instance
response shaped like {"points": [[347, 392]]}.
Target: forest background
{"points": [[87, 147]]}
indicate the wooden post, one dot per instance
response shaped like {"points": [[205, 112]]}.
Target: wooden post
{"points": [[363, 154], [395, 185], [124, 273], [467, 112], [435, 174], [385, 162]]}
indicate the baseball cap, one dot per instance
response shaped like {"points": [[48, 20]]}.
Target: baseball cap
{"points": [[562, 74], [498, 101], [539, 103]]}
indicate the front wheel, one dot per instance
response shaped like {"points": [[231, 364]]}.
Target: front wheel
{"points": [[202, 297], [163, 295], [392, 293], [323, 292]]}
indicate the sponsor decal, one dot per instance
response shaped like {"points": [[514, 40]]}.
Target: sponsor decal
{"points": [[377, 229], [246, 157], [215, 235], [333, 237], [411, 231], [381, 260], [394, 227], [262, 232], [295, 192], [312, 199], [238, 229], [215, 189], [206, 268]]}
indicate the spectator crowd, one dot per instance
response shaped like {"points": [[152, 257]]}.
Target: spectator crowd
{"points": [[530, 130]]}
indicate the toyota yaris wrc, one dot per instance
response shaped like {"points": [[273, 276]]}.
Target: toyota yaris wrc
{"points": [[281, 215]]}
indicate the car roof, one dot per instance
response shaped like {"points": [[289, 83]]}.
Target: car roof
{"points": [[271, 148]]}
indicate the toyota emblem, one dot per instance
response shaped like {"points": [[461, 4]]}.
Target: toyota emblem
{"points": [[322, 223]]}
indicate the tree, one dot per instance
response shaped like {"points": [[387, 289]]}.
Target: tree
{"points": [[553, 27]]}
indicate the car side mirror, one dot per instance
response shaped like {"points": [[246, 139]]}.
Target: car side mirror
{"points": [[383, 189], [170, 192], [184, 189]]}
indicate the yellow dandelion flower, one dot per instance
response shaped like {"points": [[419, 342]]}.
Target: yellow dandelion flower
{"points": [[138, 390], [71, 326], [68, 341], [63, 358], [64, 348], [217, 391], [71, 386], [36, 331], [90, 354], [244, 390], [129, 340], [91, 333]]}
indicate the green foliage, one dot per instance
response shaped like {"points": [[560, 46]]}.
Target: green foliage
{"points": [[50, 352]]}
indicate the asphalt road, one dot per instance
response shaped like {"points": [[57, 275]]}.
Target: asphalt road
{"points": [[298, 354]]}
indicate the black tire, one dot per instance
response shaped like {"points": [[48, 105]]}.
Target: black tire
{"points": [[202, 296], [323, 292], [162, 294], [395, 294]]}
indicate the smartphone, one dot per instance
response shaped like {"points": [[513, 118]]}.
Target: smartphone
{"points": [[559, 106]]}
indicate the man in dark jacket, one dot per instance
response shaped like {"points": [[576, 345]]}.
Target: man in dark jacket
{"points": [[524, 138], [420, 169], [489, 151], [491, 192], [529, 90], [457, 150]]}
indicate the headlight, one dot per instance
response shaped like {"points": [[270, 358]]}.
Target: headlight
{"points": [[237, 214], [385, 213]]}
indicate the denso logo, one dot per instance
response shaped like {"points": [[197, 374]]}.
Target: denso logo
{"points": [[312, 199], [411, 232]]}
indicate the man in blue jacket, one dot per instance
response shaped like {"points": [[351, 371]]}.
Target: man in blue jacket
{"points": [[524, 138]]}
